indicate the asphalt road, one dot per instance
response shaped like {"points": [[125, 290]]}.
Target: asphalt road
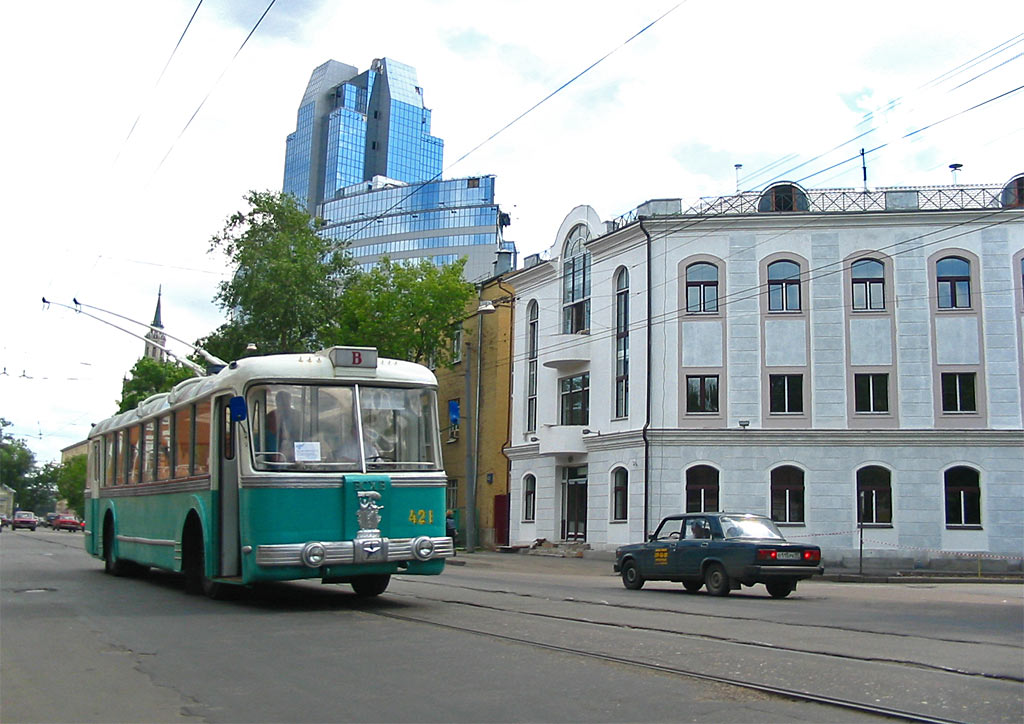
{"points": [[497, 638]]}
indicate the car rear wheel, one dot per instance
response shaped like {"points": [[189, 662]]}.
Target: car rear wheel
{"points": [[631, 577], [693, 586], [780, 589], [716, 580]]}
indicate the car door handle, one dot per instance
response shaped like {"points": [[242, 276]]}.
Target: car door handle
{"points": [[703, 545]]}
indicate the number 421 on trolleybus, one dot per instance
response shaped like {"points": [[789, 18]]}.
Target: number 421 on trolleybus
{"points": [[323, 465]]}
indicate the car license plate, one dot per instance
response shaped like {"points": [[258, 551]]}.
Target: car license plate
{"points": [[789, 555]]}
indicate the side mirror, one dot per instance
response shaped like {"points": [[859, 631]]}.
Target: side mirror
{"points": [[237, 407]]}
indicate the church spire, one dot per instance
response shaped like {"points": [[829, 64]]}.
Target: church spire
{"points": [[156, 317], [154, 337]]}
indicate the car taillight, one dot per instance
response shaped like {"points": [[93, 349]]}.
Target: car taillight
{"points": [[813, 556], [767, 554]]}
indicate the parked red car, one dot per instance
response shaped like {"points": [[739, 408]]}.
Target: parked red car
{"points": [[67, 522], [24, 519]]}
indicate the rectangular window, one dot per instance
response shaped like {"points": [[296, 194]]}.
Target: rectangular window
{"points": [[871, 392], [163, 448], [134, 457], [787, 504], [182, 442], [958, 392], [786, 393], [201, 441], [701, 393], [110, 463], [574, 394], [531, 397], [963, 505]]}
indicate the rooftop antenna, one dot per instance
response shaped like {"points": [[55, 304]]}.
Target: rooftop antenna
{"points": [[212, 359], [954, 167], [738, 167], [864, 169], [181, 360]]}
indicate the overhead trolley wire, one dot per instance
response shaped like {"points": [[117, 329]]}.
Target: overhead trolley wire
{"points": [[214, 86], [159, 78]]}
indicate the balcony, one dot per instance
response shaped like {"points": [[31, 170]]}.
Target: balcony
{"points": [[561, 440], [561, 351]]}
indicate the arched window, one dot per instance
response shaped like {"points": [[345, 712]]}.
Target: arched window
{"points": [[701, 489], [868, 285], [576, 281], [783, 197], [701, 288], [953, 276], [1013, 193], [784, 286], [622, 343], [529, 498], [788, 494], [532, 319], [620, 490], [874, 495], [963, 497]]}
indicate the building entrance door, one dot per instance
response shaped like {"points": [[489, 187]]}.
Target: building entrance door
{"points": [[574, 503]]}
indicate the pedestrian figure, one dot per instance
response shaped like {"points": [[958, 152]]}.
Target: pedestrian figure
{"points": [[450, 529]]}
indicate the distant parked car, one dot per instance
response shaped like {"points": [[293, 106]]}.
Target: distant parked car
{"points": [[24, 519], [4, 520], [67, 522], [48, 519], [722, 551]]}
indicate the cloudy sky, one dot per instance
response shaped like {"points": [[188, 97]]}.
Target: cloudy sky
{"points": [[96, 210]]}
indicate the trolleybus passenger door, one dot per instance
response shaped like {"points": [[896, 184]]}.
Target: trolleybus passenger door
{"points": [[227, 483]]}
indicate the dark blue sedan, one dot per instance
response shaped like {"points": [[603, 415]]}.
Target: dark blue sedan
{"points": [[722, 551]]}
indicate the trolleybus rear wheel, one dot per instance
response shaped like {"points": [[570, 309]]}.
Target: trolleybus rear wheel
{"points": [[366, 586]]}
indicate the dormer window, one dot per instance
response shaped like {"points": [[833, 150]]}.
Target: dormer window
{"points": [[783, 197], [1013, 193]]}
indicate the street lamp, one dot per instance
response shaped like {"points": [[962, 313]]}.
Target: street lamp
{"points": [[473, 445]]}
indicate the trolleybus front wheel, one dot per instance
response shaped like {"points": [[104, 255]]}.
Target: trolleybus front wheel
{"points": [[366, 586]]}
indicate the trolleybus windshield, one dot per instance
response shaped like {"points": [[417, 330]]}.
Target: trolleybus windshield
{"points": [[342, 427]]}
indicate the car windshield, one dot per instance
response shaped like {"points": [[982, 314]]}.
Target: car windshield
{"points": [[744, 527], [24, 515], [343, 427]]}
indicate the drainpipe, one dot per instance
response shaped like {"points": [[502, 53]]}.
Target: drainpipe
{"points": [[647, 418]]}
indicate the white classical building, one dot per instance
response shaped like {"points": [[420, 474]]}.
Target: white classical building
{"points": [[826, 357]]}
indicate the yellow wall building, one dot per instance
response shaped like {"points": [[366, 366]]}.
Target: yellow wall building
{"points": [[478, 385]]}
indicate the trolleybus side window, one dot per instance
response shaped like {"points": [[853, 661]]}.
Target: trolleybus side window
{"points": [[183, 442], [201, 444], [111, 458], [227, 434], [121, 445], [163, 448], [132, 457], [149, 447]]}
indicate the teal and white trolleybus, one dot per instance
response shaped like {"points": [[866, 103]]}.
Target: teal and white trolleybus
{"points": [[323, 465]]}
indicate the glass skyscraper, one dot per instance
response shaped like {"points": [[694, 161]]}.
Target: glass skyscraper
{"points": [[362, 157]]}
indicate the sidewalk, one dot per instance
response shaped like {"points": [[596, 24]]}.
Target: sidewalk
{"points": [[599, 563]]}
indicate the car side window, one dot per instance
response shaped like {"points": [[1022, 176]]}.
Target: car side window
{"points": [[697, 529]]}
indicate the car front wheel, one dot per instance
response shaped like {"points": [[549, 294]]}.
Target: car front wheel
{"points": [[780, 589], [716, 580], [631, 577]]}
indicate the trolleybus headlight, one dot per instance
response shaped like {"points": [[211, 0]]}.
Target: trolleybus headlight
{"points": [[422, 548], [313, 555]]}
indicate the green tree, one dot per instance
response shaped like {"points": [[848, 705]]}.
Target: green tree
{"points": [[16, 463], [71, 483], [39, 490], [406, 311], [284, 289], [149, 377]]}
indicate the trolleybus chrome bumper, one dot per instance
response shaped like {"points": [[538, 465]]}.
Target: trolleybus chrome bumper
{"points": [[362, 550]]}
